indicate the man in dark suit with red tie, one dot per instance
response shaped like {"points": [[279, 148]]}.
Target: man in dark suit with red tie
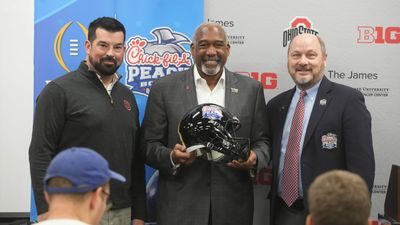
{"points": [[315, 127]]}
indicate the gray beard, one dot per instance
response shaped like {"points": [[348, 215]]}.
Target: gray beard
{"points": [[211, 71], [302, 81]]}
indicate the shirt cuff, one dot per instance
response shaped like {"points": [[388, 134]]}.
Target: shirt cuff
{"points": [[174, 166]]}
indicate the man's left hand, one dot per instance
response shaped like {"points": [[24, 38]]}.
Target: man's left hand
{"points": [[137, 222], [245, 165]]}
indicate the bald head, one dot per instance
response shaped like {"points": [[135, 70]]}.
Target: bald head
{"points": [[310, 37], [207, 27], [210, 50]]}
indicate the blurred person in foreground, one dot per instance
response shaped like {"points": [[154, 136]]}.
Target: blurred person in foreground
{"points": [[77, 187], [339, 198]]}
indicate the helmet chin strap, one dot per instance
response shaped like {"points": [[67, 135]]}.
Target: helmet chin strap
{"points": [[194, 148]]}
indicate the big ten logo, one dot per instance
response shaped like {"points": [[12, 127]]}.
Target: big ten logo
{"points": [[378, 35], [264, 177], [268, 80]]}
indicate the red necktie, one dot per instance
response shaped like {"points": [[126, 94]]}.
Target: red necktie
{"points": [[290, 177]]}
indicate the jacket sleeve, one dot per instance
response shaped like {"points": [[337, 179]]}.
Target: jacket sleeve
{"points": [[155, 133], [138, 180], [259, 138], [48, 124], [358, 139]]}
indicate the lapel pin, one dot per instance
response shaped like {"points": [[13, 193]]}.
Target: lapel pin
{"points": [[322, 102], [234, 90]]}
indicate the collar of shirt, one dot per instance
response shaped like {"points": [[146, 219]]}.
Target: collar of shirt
{"points": [[198, 79], [110, 85], [204, 94], [311, 93]]}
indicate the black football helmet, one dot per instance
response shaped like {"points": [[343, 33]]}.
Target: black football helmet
{"points": [[210, 128]]}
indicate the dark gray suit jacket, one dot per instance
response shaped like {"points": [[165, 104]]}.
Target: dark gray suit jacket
{"points": [[202, 187], [338, 110]]}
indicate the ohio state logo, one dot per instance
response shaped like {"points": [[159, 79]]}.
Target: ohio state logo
{"points": [[299, 25], [147, 60]]}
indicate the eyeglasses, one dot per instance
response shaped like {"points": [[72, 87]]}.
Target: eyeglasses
{"points": [[108, 201]]}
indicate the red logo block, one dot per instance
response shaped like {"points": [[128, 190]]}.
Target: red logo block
{"points": [[267, 79], [378, 35]]}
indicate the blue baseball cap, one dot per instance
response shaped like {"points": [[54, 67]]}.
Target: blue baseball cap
{"points": [[85, 168]]}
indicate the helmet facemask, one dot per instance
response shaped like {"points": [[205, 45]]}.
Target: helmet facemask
{"points": [[211, 130]]}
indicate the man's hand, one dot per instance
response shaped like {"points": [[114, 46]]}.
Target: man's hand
{"points": [[245, 165], [43, 216], [137, 222], [181, 156]]}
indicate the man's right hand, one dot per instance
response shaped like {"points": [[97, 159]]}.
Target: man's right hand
{"points": [[43, 216], [181, 156]]}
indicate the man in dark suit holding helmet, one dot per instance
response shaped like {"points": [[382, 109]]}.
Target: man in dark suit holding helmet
{"points": [[192, 190]]}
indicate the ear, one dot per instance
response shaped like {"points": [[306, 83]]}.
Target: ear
{"points": [[46, 197], [192, 48], [88, 46], [95, 199], [228, 46], [309, 220]]}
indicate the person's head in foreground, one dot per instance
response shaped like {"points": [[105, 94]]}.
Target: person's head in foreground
{"points": [[338, 198], [77, 185]]}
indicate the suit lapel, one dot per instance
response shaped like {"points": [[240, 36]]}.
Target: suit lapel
{"points": [[190, 98], [320, 105], [232, 90], [283, 109]]}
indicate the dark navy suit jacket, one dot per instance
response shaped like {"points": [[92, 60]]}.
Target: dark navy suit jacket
{"points": [[338, 135]]}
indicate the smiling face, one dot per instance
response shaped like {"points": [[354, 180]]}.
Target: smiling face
{"points": [[210, 49], [306, 60], [105, 53]]}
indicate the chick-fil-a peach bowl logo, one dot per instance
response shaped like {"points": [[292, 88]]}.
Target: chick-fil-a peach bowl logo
{"points": [[147, 60]]}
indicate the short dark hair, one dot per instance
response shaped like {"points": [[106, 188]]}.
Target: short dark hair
{"points": [[60, 182], [339, 198], [107, 23]]}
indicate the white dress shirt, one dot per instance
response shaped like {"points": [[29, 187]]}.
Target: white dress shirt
{"points": [[206, 95]]}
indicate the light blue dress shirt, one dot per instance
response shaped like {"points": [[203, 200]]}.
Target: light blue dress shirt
{"points": [[309, 100]]}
